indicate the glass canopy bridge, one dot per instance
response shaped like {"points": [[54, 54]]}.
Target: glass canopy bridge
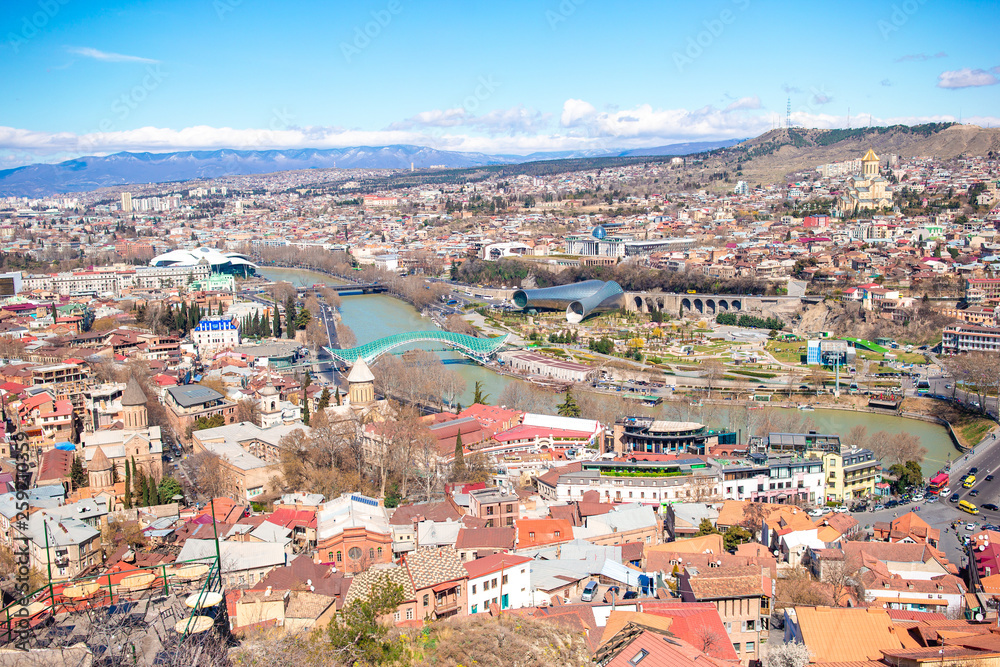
{"points": [[478, 349]]}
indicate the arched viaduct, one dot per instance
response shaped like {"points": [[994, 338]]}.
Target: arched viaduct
{"points": [[713, 304]]}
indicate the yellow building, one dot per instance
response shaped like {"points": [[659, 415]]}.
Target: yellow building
{"points": [[867, 191], [850, 474]]}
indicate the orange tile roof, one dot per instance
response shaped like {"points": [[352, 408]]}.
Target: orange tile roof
{"points": [[540, 532], [692, 545], [824, 630]]}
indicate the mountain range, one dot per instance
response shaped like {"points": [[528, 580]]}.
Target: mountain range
{"points": [[90, 173]]}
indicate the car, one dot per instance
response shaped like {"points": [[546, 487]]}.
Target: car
{"points": [[918, 498], [945, 491], [973, 493], [970, 527], [878, 508], [841, 510], [891, 504], [932, 499], [819, 511], [630, 595], [989, 478], [973, 470], [589, 591], [989, 506], [947, 386], [954, 498]]}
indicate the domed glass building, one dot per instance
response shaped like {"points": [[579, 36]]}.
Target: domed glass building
{"points": [[221, 262]]}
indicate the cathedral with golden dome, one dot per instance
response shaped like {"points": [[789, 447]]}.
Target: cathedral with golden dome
{"points": [[867, 191]]}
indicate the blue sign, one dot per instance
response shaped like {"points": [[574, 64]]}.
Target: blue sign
{"points": [[599, 232]]}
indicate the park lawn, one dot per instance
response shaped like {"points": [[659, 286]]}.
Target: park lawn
{"points": [[789, 353], [911, 358], [972, 431]]}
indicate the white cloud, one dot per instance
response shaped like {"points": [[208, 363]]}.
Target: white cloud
{"points": [[745, 103], [821, 98], [575, 111], [967, 78], [107, 56], [516, 119], [510, 131]]}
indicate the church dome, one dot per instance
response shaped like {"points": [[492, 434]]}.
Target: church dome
{"points": [[133, 394]]}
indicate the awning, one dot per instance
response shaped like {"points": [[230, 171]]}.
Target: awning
{"points": [[445, 586]]}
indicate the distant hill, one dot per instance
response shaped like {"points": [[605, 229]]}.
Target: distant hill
{"points": [[90, 173], [774, 154]]}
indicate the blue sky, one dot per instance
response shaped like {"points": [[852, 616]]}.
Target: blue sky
{"points": [[502, 77]]}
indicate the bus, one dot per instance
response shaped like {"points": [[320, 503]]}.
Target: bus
{"points": [[938, 482], [969, 481], [966, 506]]}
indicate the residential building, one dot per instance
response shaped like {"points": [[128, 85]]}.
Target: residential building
{"points": [[502, 579], [495, 506], [851, 474], [353, 533], [187, 403], [661, 482]]}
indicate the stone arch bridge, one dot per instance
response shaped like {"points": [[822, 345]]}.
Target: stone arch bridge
{"points": [[713, 304]]}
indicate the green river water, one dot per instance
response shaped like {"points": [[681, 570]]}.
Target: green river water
{"points": [[373, 316]]}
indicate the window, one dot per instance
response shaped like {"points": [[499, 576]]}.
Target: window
{"points": [[558, 533], [493, 584], [748, 626], [354, 553], [371, 553], [475, 608], [409, 614], [502, 581], [473, 589], [750, 647], [510, 508], [486, 585], [427, 599], [736, 646], [380, 552], [340, 556], [489, 510], [251, 578], [637, 658], [395, 616], [531, 535]]}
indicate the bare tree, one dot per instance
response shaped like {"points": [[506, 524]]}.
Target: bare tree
{"points": [[712, 372], [345, 336], [856, 437], [248, 410], [458, 324], [789, 654], [210, 471]]}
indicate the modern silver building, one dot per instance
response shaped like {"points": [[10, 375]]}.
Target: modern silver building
{"points": [[578, 300]]}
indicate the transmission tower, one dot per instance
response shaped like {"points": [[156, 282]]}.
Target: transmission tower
{"points": [[788, 114]]}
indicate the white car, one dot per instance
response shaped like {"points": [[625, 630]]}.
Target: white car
{"points": [[918, 498], [944, 492], [970, 527], [841, 510], [818, 512]]}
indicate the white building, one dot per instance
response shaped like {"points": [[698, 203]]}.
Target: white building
{"points": [[502, 579], [214, 334]]}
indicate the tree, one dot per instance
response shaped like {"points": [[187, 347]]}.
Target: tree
{"points": [[356, 636], [713, 371], [789, 654], [78, 474], [706, 528], [213, 479], [735, 536], [290, 316], [908, 475], [275, 320], [169, 487], [569, 408], [856, 437], [478, 396], [458, 466], [345, 336], [128, 485], [248, 410], [324, 400], [305, 398]]}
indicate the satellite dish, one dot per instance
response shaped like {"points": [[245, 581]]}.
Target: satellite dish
{"points": [[979, 616]]}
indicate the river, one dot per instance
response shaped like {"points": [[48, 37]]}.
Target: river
{"points": [[372, 316]]}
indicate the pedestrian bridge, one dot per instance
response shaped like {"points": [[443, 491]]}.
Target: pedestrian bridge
{"points": [[479, 349]]}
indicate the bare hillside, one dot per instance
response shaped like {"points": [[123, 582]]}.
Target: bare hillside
{"points": [[774, 154]]}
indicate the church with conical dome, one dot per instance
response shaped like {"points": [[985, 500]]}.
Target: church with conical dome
{"points": [[867, 191], [130, 439]]}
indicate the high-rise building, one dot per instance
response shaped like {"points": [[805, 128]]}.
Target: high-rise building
{"points": [[126, 202]]}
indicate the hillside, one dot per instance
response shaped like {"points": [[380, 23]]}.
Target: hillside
{"points": [[773, 155]]}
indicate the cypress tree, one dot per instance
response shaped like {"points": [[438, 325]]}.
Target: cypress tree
{"points": [[459, 464], [324, 399], [290, 317], [128, 485], [276, 321]]}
